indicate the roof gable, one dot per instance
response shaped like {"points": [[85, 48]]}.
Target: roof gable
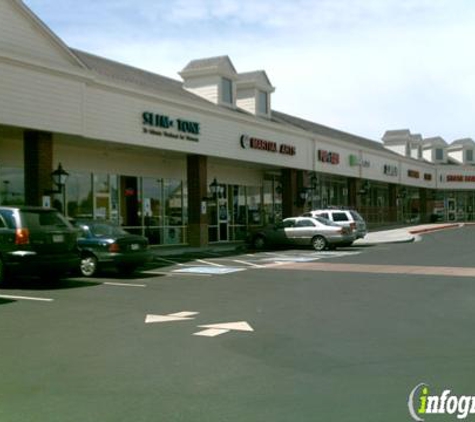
{"points": [[220, 65], [24, 36], [257, 79]]}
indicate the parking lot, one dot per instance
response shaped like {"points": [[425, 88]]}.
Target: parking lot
{"points": [[266, 336]]}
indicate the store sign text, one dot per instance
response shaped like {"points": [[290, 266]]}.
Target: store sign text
{"points": [[390, 170], [460, 178], [328, 157], [413, 173], [159, 124], [356, 161], [264, 145]]}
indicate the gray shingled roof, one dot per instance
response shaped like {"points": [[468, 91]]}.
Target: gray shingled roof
{"points": [[208, 63], [329, 132], [253, 76], [135, 77]]}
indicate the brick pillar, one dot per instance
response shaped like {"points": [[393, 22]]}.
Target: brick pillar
{"points": [[423, 205], [352, 193], [289, 193], [197, 190], [393, 203], [38, 164]]}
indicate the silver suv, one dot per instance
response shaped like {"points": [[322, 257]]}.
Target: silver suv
{"points": [[349, 218]]}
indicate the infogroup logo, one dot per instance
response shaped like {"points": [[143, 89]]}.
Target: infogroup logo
{"points": [[422, 403]]}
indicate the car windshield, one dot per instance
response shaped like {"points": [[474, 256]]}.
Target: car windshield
{"points": [[105, 230]]}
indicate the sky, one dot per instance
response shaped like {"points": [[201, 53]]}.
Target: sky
{"points": [[360, 66]]}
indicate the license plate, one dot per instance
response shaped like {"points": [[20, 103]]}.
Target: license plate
{"points": [[135, 247], [58, 238]]}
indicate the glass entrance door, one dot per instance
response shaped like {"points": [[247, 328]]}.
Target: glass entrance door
{"points": [[218, 215]]}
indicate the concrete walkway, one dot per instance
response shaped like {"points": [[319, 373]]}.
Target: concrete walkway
{"points": [[403, 234]]}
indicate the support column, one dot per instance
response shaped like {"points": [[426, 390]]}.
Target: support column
{"points": [[352, 193], [393, 203], [289, 193], [38, 165], [423, 206], [197, 190]]}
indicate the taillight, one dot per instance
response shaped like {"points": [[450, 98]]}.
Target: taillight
{"points": [[114, 247], [22, 237], [353, 226]]}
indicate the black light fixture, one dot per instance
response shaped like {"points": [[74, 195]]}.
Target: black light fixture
{"points": [[365, 188], [216, 190], [59, 177], [214, 187], [402, 193]]}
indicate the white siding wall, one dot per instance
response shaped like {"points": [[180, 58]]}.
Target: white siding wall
{"points": [[39, 100], [428, 154], [21, 36], [123, 162], [456, 155], [398, 149], [246, 99], [206, 87]]}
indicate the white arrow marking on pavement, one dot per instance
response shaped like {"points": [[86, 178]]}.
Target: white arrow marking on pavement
{"points": [[178, 316], [214, 330]]}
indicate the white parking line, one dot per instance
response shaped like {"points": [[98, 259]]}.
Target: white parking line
{"points": [[125, 284], [248, 263], [168, 260], [209, 263], [38, 299]]}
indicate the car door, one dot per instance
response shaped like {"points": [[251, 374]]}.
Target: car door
{"points": [[285, 232], [303, 231]]}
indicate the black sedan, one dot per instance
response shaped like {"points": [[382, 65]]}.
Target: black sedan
{"points": [[103, 244]]}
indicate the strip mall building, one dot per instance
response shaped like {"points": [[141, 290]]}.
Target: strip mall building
{"points": [[201, 159]]}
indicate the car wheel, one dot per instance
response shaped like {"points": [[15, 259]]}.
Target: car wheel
{"points": [[259, 242], [88, 265], [319, 243]]}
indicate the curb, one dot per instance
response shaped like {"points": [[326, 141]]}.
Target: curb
{"points": [[433, 229], [387, 242]]}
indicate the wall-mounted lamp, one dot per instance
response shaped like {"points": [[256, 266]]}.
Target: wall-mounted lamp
{"points": [[302, 196], [59, 177], [216, 190], [365, 188], [402, 193]]}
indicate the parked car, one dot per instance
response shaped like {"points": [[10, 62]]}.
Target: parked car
{"points": [[348, 218], [103, 244], [36, 241], [317, 232]]}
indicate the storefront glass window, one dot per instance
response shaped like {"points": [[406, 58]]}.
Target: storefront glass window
{"points": [[12, 191], [79, 195], [164, 214], [254, 202]]}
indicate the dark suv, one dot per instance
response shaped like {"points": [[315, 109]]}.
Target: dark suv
{"points": [[36, 241]]}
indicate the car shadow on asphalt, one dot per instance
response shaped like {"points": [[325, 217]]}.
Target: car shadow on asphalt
{"points": [[6, 301], [36, 283]]}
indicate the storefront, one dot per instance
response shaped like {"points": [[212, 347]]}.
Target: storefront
{"points": [[191, 162]]}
